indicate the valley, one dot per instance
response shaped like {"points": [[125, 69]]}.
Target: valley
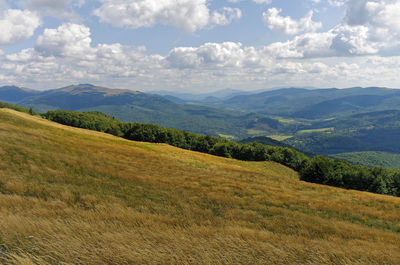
{"points": [[343, 120]]}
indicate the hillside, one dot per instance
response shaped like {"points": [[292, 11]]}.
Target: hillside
{"points": [[372, 131], [372, 159], [128, 105], [13, 94], [81, 197], [316, 103]]}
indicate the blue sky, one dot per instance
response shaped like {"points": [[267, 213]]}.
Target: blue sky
{"points": [[199, 45]]}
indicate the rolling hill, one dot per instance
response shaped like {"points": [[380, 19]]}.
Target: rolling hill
{"points": [[13, 94], [372, 159], [372, 131], [133, 106], [316, 103], [74, 196]]}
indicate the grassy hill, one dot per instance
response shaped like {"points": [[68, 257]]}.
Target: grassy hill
{"points": [[74, 196]]}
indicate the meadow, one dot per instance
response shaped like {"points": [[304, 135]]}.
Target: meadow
{"points": [[73, 196]]}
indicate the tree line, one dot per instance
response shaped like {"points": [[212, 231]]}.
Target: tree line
{"points": [[318, 169]]}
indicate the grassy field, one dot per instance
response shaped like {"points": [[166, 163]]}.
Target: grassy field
{"points": [[280, 137], [71, 196]]}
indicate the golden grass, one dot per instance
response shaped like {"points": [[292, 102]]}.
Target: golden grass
{"points": [[71, 196]]}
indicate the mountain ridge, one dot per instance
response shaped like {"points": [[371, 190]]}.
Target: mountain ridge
{"points": [[148, 108]]}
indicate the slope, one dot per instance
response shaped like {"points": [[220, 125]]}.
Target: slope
{"points": [[13, 94], [74, 196], [372, 131]]}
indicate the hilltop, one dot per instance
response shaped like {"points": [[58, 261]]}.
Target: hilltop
{"points": [[76, 196]]}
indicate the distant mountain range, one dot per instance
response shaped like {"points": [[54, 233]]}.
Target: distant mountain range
{"points": [[320, 121], [306, 103], [13, 94], [128, 105]]}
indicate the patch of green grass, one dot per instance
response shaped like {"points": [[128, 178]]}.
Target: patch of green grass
{"points": [[325, 130], [255, 131], [279, 137], [227, 136]]}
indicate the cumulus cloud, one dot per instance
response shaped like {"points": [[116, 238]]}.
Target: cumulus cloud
{"points": [[17, 25], [210, 65], [216, 55], [226, 16], [380, 17], [68, 40], [288, 25], [186, 15], [382, 14], [342, 40], [255, 1], [59, 8], [262, 1], [337, 3], [369, 27]]}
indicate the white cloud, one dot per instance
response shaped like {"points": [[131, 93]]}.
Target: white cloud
{"points": [[17, 25], [381, 14], [56, 8], [68, 40], [262, 1], [343, 40], [216, 65], [337, 3], [226, 16], [216, 55], [369, 27], [255, 1], [303, 46], [380, 17], [288, 25], [353, 41], [186, 15], [49, 5]]}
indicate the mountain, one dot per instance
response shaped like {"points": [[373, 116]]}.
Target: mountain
{"points": [[13, 94], [317, 103], [72, 196], [198, 98], [373, 131], [128, 105]]}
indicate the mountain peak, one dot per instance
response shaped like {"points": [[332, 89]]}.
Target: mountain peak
{"points": [[89, 88]]}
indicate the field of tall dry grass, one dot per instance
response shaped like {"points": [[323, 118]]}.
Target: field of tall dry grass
{"points": [[71, 196]]}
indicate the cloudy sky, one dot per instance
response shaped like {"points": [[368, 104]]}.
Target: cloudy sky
{"points": [[200, 45]]}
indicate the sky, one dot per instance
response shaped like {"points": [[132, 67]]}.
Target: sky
{"points": [[200, 46]]}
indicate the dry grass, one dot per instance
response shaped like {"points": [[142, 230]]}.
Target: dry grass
{"points": [[70, 196]]}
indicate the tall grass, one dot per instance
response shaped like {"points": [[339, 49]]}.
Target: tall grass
{"points": [[71, 196]]}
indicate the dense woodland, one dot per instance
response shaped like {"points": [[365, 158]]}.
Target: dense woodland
{"points": [[318, 169]]}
